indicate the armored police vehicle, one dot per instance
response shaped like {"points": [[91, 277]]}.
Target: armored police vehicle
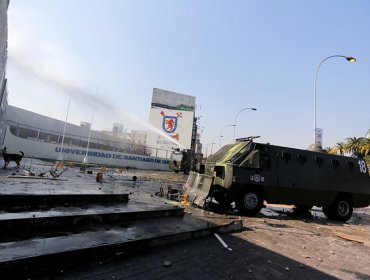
{"points": [[248, 173]]}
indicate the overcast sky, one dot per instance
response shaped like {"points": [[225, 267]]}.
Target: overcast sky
{"points": [[107, 56]]}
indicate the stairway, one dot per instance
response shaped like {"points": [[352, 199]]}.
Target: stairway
{"points": [[40, 231]]}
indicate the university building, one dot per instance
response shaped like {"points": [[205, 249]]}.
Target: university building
{"points": [[3, 59]]}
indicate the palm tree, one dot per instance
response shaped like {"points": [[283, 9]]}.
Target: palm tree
{"points": [[353, 146], [340, 147], [365, 146]]}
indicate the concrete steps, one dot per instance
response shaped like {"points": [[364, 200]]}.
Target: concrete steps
{"points": [[76, 218], [86, 230], [27, 202]]}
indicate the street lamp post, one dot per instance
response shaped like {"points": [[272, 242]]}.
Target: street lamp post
{"points": [[213, 142], [348, 58], [222, 132], [236, 117], [207, 149]]}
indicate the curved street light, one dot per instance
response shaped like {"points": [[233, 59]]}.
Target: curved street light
{"points": [[213, 142], [348, 58], [236, 117], [222, 132], [207, 149]]}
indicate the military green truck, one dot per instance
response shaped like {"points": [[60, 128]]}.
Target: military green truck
{"points": [[246, 174]]}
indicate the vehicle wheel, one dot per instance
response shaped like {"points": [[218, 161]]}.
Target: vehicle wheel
{"points": [[176, 171], [327, 212], [186, 171], [303, 208], [341, 209], [250, 202]]}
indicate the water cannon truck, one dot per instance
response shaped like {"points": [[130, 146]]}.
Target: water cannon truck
{"points": [[246, 173]]}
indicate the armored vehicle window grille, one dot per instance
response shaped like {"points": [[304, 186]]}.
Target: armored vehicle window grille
{"points": [[350, 165], [301, 158], [286, 156], [335, 163], [265, 149], [265, 161], [319, 161]]}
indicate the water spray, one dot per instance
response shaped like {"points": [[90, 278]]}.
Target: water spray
{"points": [[55, 80]]}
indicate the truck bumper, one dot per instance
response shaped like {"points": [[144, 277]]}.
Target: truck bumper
{"points": [[197, 187]]}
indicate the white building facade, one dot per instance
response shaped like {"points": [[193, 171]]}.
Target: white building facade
{"points": [[172, 114], [43, 137], [3, 58]]}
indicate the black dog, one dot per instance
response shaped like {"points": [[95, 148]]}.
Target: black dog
{"points": [[11, 157]]}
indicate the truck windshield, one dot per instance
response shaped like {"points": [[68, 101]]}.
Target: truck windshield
{"points": [[241, 154], [229, 152]]}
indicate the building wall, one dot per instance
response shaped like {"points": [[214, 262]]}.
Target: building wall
{"points": [[42, 137], [138, 137], [117, 128], [31, 119], [3, 59], [172, 115]]}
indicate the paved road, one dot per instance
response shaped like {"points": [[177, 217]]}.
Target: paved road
{"points": [[278, 247]]}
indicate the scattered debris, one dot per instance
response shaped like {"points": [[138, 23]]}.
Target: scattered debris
{"points": [[172, 194], [167, 264], [222, 242], [99, 175], [59, 164], [160, 193], [184, 200], [28, 172], [349, 237]]}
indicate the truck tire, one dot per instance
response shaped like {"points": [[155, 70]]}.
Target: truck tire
{"points": [[327, 212], [250, 202], [340, 210]]}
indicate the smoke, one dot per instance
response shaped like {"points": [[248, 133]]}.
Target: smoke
{"points": [[52, 65]]}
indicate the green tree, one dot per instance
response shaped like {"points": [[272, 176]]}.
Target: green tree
{"points": [[353, 146], [365, 146], [339, 148]]}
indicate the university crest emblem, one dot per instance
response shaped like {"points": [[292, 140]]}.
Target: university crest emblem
{"points": [[169, 123]]}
